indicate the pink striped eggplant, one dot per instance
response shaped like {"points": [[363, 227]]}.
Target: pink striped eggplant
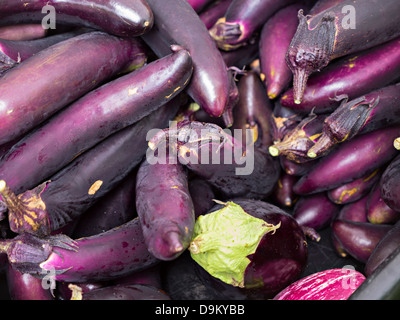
{"points": [[376, 110], [56, 202], [95, 116], [69, 69], [330, 284], [351, 160], [390, 184], [275, 38], [336, 32], [19, 32], [242, 19], [214, 11], [122, 18], [177, 23], [378, 211]]}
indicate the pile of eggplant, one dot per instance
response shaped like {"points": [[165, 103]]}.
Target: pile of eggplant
{"points": [[122, 176]]}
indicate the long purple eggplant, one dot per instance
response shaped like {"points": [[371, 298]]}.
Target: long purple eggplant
{"points": [[376, 110], [69, 69], [283, 193], [20, 32], [275, 38], [351, 160], [214, 11], [164, 205], [105, 256], [100, 113], [390, 184], [122, 18], [354, 75], [378, 211], [199, 5], [242, 19], [294, 168], [56, 202], [177, 22], [348, 27], [354, 211]]}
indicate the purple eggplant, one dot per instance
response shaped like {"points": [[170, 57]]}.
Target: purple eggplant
{"points": [[390, 184], [283, 193], [336, 32], [65, 290], [177, 22], [214, 11], [351, 160], [354, 211], [275, 39], [242, 57], [315, 211], [359, 239], [354, 190], [374, 111], [92, 118], [122, 18], [378, 211], [21, 32], [294, 168], [202, 196], [70, 68], [71, 191], [275, 259], [199, 5], [242, 19], [164, 205]]}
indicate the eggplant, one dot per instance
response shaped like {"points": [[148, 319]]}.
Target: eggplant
{"points": [[378, 211], [82, 56], [374, 111], [177, 23], [275, 38], [242, 19], [21, 32], [283, 120], [335, 32], [385, 247], [390, 184], [66, 289], [351, 160], [92, 118], [266, 260], [315, 211], [71, 191], [294, 168], [164, 205], [331, 284], [354, 211], [351, 76], [124, 18], [199, 5], [238, 60], [213, 12], [359, 239], [202, 195], [283, 193], [149, 276], [353, 191]]}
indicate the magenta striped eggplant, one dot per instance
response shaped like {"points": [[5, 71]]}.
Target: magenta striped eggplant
{"points": [[68, 70], [242, 19], [376, 110], [56, 202], [275, 38], [122, 18], [334, 33], [19, 32], [390, 184], [331, 284], [378, 211], [351, 160], [177, 23], [89, 120], [214, 11]]}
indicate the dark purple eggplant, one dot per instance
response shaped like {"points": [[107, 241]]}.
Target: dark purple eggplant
{"points": [[122, 18], [385, 247], [70, 68], [338, 31], [351, 160], [177, 22], [378, 211], [214, 11], [359, 239], [242, 57], [390, 184], [149, 276], [279, 253], [275, 38], [242, 19], [92, 118], [202, 196], [283, 193], [164, 204], [199, 5], [56, 202], [354, 190], [354, 211], [374, 111], [315, 211], [65, 290], [294, 168], [21, 32]]}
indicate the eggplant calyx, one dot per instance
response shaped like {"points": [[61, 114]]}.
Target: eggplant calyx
{"points": [[224, 239], [227, 35]]}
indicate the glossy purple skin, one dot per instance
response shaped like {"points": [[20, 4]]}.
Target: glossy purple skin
{"points": [[275, 38], [177, 22], [24, 286], [104, 256], [68, 72], [315, 211], [366, 153], [126, 292], [354, 211], [294, 168], [122, 18], [164, 206], [390, 184], [378, 211], [198, 5], [359, 239], [114, 106], [22, 32], [283, 193], [215, 11], [323, 285]]}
